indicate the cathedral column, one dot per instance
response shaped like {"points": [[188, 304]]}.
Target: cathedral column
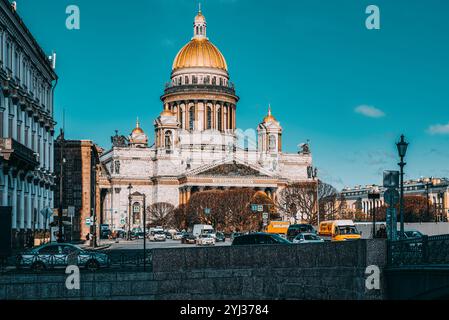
{"points": [[214, 116], [223, 124], [181, 194], [197, 125], [188, 194]]}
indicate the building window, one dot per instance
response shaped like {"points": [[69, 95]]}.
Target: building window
{"points": [[214, 80], [209, 118], [272, 143], [194, 80], [192, 118], [168, 140], [10, 127]]}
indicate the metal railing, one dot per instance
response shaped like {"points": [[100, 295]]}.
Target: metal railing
{"points": [[9, 146], [229, 89], [123, 260], [427, 250]]}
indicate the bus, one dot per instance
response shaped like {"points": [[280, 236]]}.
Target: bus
{"points": [[338, 230], [278, 227]]}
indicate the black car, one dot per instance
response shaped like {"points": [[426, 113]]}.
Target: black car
{"points": [[259, 239], [296, 229], [188, 238], [220, 237]]}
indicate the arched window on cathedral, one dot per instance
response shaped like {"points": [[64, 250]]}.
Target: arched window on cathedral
{"points": [[192, 118], [168, 140], [221, 81], [209, 118], [219, 119], [272, 143], [194, 80], [214, 81], [186, 80]]}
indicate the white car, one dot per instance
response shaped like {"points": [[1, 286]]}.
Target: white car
{"points": [[157, 236], [177, 236], [307, 238], [205, 240]]}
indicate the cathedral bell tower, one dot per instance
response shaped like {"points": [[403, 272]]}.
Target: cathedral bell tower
{"points": [[166, 128], [269, 134]]}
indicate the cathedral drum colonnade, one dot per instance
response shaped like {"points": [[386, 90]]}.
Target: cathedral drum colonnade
{"points": [[196, 142]]}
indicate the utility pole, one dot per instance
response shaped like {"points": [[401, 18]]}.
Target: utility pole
{"points": [[61, 167]]}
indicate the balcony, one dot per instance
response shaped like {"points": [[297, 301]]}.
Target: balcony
{"points": [[17, 154], [189, 88]]}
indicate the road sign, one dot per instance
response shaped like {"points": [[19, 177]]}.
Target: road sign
{"points": [[391, 197], [46, 212], [122, 221], [260, 208], [88, 221], [391, 179], [265, 216]]}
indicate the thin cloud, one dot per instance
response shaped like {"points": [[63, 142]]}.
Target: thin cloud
{"points": [[369, 111], [438, 129]]}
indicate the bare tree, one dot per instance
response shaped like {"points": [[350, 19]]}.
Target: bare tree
{"points": [[160, 214], [299, 200]]}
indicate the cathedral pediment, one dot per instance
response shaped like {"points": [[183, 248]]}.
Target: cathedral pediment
{"points": [[230, 169]]}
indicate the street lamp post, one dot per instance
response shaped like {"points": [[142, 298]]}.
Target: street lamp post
{"points": [[313, 173], [144, 233], [428, 185], [129, 211], [402, 151], [61, 184], [374, 195]]}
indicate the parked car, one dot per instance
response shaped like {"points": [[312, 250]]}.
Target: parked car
{"points": [[168, 235], [411, 234], [235, 235], [205, 240], [118, 233], [177, 236], [188, 238], [259, 239], [296, 229], [307, 238], [157, 236], [220, 237], [60, 255], [199, 229]]}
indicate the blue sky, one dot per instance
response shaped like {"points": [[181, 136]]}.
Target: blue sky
{"points": [[349, 90]]}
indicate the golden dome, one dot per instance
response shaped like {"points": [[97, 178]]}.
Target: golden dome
{"points": [[269, 117], [167, 113], [137, 130], [200, 18], [200, 52]]}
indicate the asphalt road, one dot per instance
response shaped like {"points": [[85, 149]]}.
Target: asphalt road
{"points": [[138, 244]]}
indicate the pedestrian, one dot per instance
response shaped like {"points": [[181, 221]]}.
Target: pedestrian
{"points": [[88, 236]]}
